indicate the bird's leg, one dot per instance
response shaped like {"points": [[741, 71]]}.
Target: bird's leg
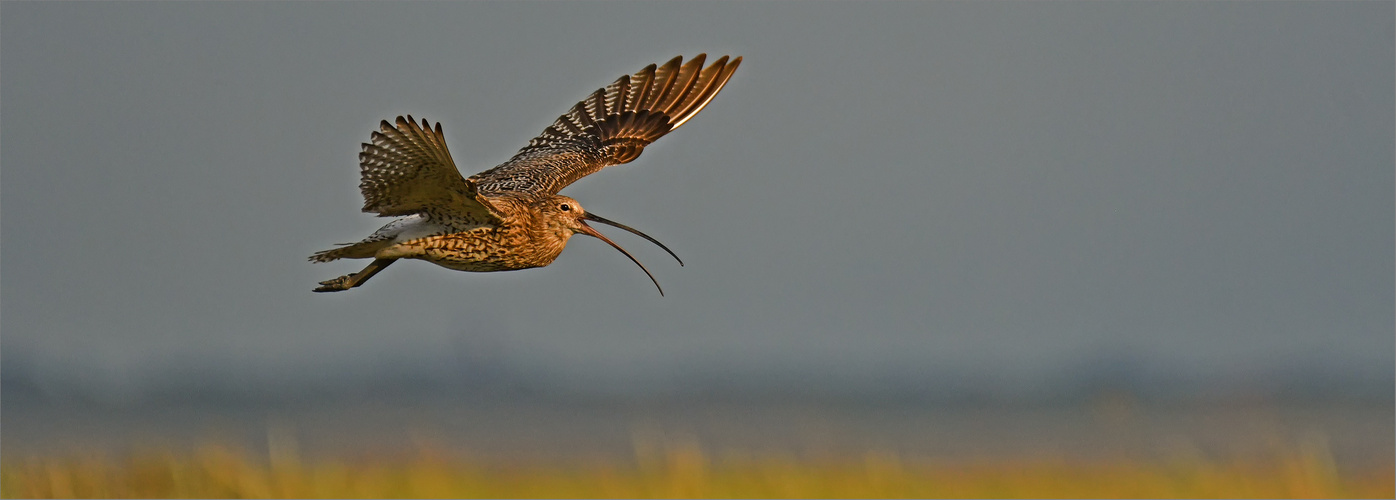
{"points": [[348, 281]]}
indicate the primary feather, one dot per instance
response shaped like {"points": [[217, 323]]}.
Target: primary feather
{"points": [[611, 126]]}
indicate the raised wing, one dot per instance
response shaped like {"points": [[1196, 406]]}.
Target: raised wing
{"points": [[407, 170], [612, 126]]}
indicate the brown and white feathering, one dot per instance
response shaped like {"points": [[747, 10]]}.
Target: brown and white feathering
{"points": [[611, 126], [511, 217]]}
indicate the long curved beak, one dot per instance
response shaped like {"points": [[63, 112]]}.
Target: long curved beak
{"points": [[594, 233], [593, 217]]}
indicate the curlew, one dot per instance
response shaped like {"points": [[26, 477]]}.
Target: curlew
{"points": [[511, 216]]}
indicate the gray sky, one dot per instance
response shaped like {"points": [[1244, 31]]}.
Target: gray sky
{"points": [[998, 189]]}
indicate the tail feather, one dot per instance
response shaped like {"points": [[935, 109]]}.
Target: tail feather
{"points": [[360, 250]]}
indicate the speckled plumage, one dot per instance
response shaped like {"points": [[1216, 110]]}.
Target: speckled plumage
{"points": [[511, 217]]}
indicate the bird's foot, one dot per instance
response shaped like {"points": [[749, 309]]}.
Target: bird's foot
{"points": [[339, 284]]}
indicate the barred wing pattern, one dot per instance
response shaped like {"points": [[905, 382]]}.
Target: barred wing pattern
{"points": [[408, 170], [612, 126]]}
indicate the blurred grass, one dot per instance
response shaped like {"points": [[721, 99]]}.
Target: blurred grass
{"points": [[681, 469]]}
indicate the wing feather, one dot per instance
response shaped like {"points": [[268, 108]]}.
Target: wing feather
{"points": [[683, 84], [612, 125], [663, 83], [406, 169]]}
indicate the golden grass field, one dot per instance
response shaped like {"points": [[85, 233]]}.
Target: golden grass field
{"points": [[684, 470]]}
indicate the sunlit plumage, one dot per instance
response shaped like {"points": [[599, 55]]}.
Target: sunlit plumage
{"points": [[511, 217]]}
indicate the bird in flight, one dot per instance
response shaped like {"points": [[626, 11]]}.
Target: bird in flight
{"points": [[511, 216]]}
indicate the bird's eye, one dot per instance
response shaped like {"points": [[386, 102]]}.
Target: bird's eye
{"points": [[565, 207]]}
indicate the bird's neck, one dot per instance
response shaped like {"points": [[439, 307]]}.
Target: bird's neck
{"points": [[547, 241]]}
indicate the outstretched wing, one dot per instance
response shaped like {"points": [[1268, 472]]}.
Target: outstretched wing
{"points": [[407, 170], [612, 126]]}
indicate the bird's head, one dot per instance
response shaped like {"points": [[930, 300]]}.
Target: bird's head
{"points": [[563, 217]]}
